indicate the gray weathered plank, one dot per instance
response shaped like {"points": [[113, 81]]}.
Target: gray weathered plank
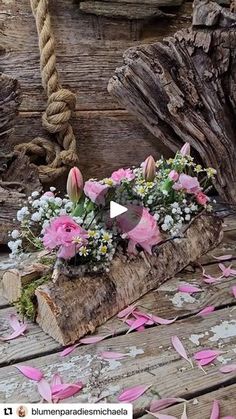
{"points": [[165, 302], [150, 360]]}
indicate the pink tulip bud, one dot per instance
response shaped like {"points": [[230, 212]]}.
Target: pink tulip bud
{"points": [[173, 175], [75, 184], [185, 150], [149, 169]]}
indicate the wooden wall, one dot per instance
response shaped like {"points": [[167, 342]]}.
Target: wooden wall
{"points": [[89, 49]]}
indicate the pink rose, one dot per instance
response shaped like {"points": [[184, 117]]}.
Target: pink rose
{"points": [[95, 191], [121, 174], [188, 183], [173, 175], [140, 227], [202, 198], [65, 233], [185, 150]]}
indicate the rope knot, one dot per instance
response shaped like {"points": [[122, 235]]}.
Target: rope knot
{"points": [[60, 106]]}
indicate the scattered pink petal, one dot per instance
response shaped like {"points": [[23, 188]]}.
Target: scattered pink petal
{"points": [[92, 339], [178, 346], [138, 314], [64, 391], [228, 368], [234, 290], [207, 353], [30, 372], [209, 279], [56, 380], [188, 288], [215, 413], [68, 350], [205, 311], [132, 393], [15, 334], [126, 312], [227, 271], [223, 257], [157, 405], [206, 361], [112, 355], [44, 390], [14, 322], [160, 320], [137, 323], [161, 415]]}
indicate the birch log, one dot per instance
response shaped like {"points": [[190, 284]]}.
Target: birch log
{"points": [[74, 306], [183, 90]]}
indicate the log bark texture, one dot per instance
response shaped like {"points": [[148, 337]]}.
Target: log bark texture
{"points": [[183, 89], [74, 306]]}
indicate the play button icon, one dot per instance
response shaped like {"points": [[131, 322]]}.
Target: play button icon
{"points": [[116, 209]]}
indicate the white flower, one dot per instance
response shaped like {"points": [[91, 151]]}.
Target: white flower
{"points": [[58, 201], [36, 216], [35, 194], [156, 216], [15, 234], [168, 219], [165, 227], [22, 213], [62, 212], [187, 217], [174, 211], [36, 203], [187, 210], [52, 189]]}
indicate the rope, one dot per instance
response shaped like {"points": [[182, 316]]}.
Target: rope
{"points": [[62, 155]]}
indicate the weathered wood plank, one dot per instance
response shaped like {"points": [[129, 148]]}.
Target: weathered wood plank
{"points": [[203, 404], [150, 360], [143, 2], [165, 302]]}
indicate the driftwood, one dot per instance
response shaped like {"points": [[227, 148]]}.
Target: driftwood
{"points": [[183, 89], [128, 9], [74, 306]]}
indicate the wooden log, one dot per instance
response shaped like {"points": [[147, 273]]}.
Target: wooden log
{"points": [[23, 273], [122, 10], [74, 305], [183, 89]]}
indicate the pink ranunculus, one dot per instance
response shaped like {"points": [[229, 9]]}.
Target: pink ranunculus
{"points": [[185, 150], [188, 183], [202, 198], [173, 175], [140, 228], [95, 191], [64, 233], [121, 174]]}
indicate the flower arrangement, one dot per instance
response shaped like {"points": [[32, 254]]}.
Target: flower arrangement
{"points": [[161, 197]]}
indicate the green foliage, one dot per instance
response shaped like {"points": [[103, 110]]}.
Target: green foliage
{"points": [[26, 305]]}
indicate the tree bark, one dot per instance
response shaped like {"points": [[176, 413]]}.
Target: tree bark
{"points": [[75, 305], [183, 90]]}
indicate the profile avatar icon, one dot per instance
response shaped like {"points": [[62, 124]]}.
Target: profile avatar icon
{"points": [[22, 411]]}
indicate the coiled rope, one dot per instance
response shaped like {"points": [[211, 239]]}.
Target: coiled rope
{"points": [[61, 154]]}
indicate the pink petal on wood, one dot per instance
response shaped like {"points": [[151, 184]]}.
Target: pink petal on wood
{"points": [[207, 353], [234, 290], [44, 390], [178, 346], [112, 355], [64, 391], [215, 413], [137, 323], [206, 361], [225, 369], [188, 288], [68, 350], [93, 339], [126, 312], [160, 320], [132, 393], [30, 372], [56, 380], [157, 405], [209, 279], [14, 322], [15, 334], [138, 314], [205, 311], [223, 257], [161, 415], [226, 271]]}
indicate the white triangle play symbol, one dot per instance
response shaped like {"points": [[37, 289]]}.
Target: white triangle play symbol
{"points": [[116, 209]]}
